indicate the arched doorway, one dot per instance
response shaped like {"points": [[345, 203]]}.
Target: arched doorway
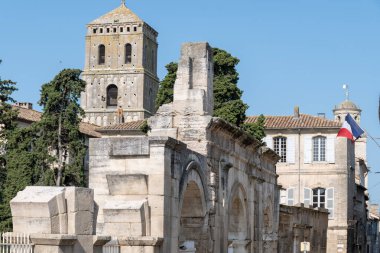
{"points": [[237, 221], [193, 225]]}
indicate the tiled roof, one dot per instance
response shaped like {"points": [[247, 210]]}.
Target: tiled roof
{"points": [[30, 116], [128, 126], [119, 15], [303, 121]]}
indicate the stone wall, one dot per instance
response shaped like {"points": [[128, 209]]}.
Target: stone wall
{"points": [[301, 224]]}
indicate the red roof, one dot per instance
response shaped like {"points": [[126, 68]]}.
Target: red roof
{"points": [[133, 125], [31, 116], [303, 121]]}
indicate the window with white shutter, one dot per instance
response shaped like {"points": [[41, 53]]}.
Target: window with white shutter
{"points": [[307, 149], [330, 149], [269, 141], [330, 201], [283, 196], [319, 149], [307, 196], [290, 200], [291, 149]]}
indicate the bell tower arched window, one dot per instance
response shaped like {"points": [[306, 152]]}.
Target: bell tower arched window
{"points": [[128, 53], [101, 55], [112, 94]]}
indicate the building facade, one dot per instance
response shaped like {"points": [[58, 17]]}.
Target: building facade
{"points": [[320, 170]]}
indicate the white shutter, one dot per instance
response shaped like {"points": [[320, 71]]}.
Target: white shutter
{"points": [[330, 149], [307, 197], [283, 197], [290, 196], [290, 149], [330, 201], [307, 149], [269, 141]]}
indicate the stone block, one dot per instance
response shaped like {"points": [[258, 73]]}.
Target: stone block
{"points": [[80, 223], [136, 184], [129, 146], [79, 199]]}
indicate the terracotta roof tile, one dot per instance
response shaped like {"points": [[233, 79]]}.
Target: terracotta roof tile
{"points": [[133, 125], [31, 116], [304, 121]]}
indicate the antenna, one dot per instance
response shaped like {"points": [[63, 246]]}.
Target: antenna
{"points": [[347, 91]]}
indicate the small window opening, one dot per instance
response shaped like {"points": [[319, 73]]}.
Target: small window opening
{"points": [[94, 30], [112, 94], [128, 53], [114, 29], [135, 29], [101, 54], [128, 29], [121, 29], [101, 30], [108, 30]]}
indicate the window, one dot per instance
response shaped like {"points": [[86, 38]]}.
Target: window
{"points": [[319, 197], [135, 29], [101, 55], [108, 30], [324, 198], [112, 95], [128, 53], [94, 30], [319, 149], [128, 29], [121, 29], [280, 147], [101, 30]]}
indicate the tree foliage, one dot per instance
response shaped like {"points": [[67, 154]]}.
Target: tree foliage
{"points": [[228, 103], [165, 92], [59, 134]]}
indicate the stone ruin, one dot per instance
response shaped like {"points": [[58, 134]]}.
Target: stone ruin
{"points": [[195, 184]]}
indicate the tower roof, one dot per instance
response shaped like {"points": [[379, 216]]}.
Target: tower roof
{"points": [[119, 15], [347, 104]]}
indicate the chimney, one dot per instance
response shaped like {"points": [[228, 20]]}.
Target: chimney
{"points": [[296, 112], [25, 105]]}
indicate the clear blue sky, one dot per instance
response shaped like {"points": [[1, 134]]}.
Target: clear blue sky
{"points": [[292, 52]]}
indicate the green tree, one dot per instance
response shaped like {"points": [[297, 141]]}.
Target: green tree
{"points": [[59, 134], [165, 92], [228, 103]]}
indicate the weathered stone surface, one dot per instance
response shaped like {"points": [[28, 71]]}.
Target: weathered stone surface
{"points": [[129, 147], [127, 184]]}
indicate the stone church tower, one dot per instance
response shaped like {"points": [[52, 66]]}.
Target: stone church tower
{"points": [[120, 69]]}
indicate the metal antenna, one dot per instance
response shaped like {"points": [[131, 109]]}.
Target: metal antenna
{"points": [[347, 91]]}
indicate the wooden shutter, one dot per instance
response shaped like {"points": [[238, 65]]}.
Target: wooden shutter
{"points": [[290, 149], [283, 197], [307, 197], [269, 141], [290, 196], [330, 149], [330, 201], [307, 149]]}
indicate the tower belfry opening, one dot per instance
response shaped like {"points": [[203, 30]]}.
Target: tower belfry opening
{"points": [[121, 53]]}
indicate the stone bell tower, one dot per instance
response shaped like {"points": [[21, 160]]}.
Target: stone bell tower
{"points": [[120, 69]]}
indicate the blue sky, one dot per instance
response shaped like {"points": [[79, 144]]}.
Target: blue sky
{"points": [[292, 52]]}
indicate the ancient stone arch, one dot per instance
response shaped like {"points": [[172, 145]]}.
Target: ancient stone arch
{"points": [[238, 221], [193, 211]]}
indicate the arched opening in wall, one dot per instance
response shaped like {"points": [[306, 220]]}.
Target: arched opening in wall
{"points": [[101, 54], [192, 219], [128, 53], [238, 222], [112, 93]]}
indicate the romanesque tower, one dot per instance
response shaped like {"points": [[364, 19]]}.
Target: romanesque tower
{"points": [[120, 68]]}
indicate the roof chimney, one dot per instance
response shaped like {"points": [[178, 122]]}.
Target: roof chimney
{"points": [[296, 112], [25, 105]]}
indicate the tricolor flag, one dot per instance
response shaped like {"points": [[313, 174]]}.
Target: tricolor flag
{"points": [[350, 129]]}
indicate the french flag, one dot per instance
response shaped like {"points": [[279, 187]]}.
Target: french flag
{"points": [[350, 129]]}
